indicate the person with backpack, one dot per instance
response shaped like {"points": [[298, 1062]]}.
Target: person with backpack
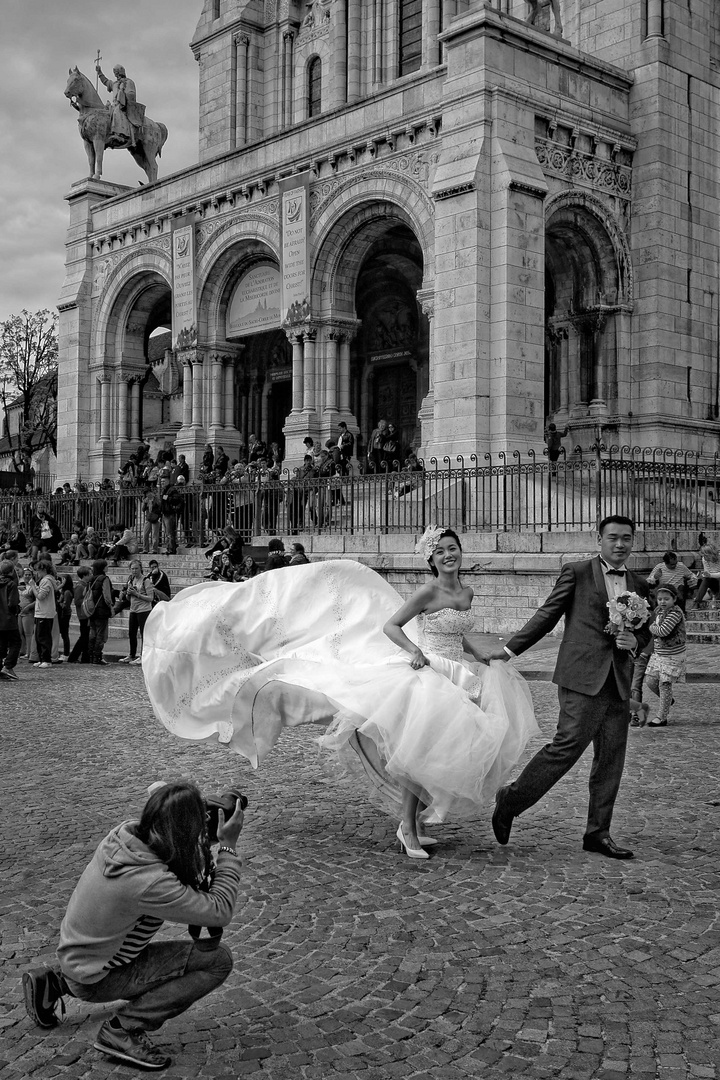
{"points": [[97, 607], [80, 652], [171, 503], [151, 530]]}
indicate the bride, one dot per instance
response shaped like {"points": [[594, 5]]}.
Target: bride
{"points": [[240, 663]]}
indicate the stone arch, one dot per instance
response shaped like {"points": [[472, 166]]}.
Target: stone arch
{"points": [[341, 226], [124, 282], [588, 299], [230, 252]]}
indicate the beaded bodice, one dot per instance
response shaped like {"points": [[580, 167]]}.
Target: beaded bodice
{"points": [[442, 631]]}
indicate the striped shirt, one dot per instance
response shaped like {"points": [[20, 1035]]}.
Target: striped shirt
{"points": [[144, 929], [668, 630]]}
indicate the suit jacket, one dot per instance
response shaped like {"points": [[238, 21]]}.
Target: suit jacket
{"points": [[587, 653]]}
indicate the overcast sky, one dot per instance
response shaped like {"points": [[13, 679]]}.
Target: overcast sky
{"points": [[42, 152]]}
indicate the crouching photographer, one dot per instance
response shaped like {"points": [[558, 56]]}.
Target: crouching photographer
{"points": [[143, 873]]}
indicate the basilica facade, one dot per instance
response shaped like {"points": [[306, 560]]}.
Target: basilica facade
{"points": [[429, 211]]}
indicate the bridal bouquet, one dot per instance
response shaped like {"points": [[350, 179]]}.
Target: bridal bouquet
{"points": [[628, 611]]}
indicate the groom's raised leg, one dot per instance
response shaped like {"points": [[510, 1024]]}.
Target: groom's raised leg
{"points": [[578, 723]]}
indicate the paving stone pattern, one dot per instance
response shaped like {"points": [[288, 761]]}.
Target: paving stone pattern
{"points": [[536, 960]]}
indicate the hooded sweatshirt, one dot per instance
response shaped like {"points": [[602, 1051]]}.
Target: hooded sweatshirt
{"points": [[124, 896]]}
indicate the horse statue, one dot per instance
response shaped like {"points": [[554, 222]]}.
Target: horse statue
{"points": [[95, 123]]}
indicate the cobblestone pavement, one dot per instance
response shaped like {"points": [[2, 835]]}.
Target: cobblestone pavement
{"points": [[535, 960]]}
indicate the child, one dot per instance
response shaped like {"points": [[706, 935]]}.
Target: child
{"points": [[667, 664], [68, 552]]}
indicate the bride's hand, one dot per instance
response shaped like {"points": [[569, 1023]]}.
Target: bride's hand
{"points": [[419, 660]]}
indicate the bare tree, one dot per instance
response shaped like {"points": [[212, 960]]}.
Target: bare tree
{"points": [[28, 379]]}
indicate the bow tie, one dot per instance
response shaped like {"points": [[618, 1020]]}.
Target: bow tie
{"points": [[617, 573], [620, 572]]}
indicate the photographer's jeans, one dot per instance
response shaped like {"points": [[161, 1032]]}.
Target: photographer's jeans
{"points": [[162, 982]]}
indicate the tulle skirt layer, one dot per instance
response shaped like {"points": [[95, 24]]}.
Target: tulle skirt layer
{"points": [[304, 645]]}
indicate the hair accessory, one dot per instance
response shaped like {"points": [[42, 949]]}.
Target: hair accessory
{"points": [[429, 541]]}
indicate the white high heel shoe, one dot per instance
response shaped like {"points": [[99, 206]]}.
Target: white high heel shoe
{"points": [[412, 853], [427, 841]]}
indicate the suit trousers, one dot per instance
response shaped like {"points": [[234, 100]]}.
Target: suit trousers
{"points": [[603, 720]]}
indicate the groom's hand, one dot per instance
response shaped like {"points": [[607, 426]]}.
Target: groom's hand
{"points": [[626, 640], [498, 654]]}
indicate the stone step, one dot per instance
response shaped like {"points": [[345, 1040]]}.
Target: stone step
{"points": [[703, 639]]}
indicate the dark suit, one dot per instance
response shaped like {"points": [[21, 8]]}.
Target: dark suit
{"points": [[594, 679]]}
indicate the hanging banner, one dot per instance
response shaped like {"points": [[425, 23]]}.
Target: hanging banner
{"points": [[184, 315], [294, 232], [255, 303]]}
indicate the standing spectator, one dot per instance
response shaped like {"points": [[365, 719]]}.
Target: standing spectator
{"points": [[672, 572], [9, 610], [139, 590], [100, 590], [159, 581], [44, 531], [44, 590], [13, 557], [553, 441], [26, 617], [208, 459], [346, 442], [392, 451], [185, 512], [222, 461], [376, 442], [151, 529], [270, 494], [256, 448], [300, 494], [276, 455], [65, 598], [80, 651], [668, 662], [171, 503], [181, 469], [277, 557]]}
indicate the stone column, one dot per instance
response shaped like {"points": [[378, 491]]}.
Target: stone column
{"points": [[104, 408], [338, 50], [331, 370], [297, 371], [426, 413], [242, 46], [216, 391], [287, 78], [263, 433], [197, 394], [655, 18], [354, 37], [564, 372], [309, 371], [430, 31], [230, 392], [187, 393], [135, 410], [123, 391], [377, 42], [344, 374]]}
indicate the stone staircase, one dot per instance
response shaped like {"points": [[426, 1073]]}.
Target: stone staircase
{"points": [[703, 625]]}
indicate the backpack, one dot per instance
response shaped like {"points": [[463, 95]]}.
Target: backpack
{"points": [[87, 607]]}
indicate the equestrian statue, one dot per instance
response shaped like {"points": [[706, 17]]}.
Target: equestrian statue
{"points": [[121, 124]]}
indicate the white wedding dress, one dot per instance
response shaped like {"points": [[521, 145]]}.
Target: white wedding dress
{"points": [[239, 663]]}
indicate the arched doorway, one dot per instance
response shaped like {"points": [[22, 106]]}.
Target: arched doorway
{"points": [[587, 295], [392, 345]]}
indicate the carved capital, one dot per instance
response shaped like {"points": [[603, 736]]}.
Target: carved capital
{"points": [[426, 300], [241, 41]]}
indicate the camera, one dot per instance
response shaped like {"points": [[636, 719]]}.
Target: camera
{"points": [[225, 801]]}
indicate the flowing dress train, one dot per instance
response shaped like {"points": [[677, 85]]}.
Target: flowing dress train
{"points": [[240, 663]]}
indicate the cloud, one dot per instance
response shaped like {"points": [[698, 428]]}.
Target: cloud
{"points": [[43, 154]]}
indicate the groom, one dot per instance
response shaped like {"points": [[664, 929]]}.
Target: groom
{"points": [[593, 674]]}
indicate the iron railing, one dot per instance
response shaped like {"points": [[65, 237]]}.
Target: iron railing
{"points": [[658, 489]]}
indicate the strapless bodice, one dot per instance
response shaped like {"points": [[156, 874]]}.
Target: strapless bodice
{"points": [[442, 631]]}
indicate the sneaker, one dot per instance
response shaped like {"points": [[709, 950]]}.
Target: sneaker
{"points": [[101, 663], [132, 1046], [44, 664], [137, 661], [43, 989], [8, 673], [635, 720], [126, 660]]}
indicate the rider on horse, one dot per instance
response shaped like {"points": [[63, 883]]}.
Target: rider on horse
{"points": [[127, 113]]}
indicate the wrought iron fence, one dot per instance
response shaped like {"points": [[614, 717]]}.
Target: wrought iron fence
{"points": [[658, 489]]}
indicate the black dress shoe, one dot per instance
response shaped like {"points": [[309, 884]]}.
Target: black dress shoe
{"points": [[606, 846], [502, 819]]}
